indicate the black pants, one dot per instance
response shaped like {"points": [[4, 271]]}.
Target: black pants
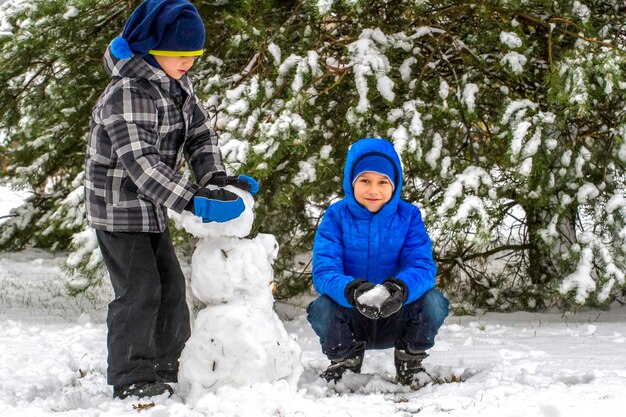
{"points": [[148, 321]]}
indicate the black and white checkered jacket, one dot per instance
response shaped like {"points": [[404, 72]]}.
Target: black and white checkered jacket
{"points": [[141, 127]]}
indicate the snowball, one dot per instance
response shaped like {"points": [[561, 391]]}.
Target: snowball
{"points": [[374, 297]]}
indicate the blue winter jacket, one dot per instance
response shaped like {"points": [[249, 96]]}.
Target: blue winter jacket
{"points": [[353, 243]]}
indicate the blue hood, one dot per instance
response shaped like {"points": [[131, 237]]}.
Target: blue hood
{"points": [[359, 150], [353, 243]]}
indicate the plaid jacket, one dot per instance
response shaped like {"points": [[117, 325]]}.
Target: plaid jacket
{"points": [[141, 127]]}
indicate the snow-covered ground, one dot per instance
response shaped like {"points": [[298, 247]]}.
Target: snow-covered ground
{"points": [[53, 362]]}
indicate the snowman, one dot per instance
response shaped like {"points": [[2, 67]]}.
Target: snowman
{"points": [[237, 339]]}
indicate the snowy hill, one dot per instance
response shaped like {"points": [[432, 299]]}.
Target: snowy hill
{"points": [[53, 363]]}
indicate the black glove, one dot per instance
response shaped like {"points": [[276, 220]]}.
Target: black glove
{"points": [[354, 290], [243, 182], [397, 296]]}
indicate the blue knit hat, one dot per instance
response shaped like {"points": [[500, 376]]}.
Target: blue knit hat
{"points": [[161, 27], [375, 163]]}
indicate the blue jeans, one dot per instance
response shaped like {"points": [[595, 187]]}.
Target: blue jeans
{"points": [[344, 331]]}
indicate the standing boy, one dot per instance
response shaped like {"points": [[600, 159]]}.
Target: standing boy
{"points": [[143, 124], [371, 237]]}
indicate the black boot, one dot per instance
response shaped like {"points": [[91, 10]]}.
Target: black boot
{"points": [[142, 390], [167, 375], [167, 372], [409, 367], [336, 369]]}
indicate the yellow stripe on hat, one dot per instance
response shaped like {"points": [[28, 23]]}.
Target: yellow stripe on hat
{"points": [[176, 53]]}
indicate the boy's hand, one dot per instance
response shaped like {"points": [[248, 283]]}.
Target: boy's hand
{"points": [[354, 290], [216, 205], [242, 182], [397, 296]]}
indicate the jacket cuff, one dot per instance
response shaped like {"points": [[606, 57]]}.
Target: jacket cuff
{"points": [[207, 177], [187, 199]]}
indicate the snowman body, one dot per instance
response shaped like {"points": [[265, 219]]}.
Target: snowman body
{"points": [[237, 339]]}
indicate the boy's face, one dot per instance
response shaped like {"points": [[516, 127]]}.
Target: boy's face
{"points": [[175, 66], [372, 190]]}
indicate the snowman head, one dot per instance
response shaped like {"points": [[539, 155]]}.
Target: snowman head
{"points": [[239, 227]]}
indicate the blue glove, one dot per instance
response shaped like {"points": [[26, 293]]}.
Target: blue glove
{"points": [[242, 182], [216, 205], [254, 184]]}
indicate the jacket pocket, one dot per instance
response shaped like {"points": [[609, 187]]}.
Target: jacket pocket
{"points": [[121, 192], [128, 191]]}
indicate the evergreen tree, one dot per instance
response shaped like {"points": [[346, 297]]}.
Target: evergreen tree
{"points": [[509, 116]]}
